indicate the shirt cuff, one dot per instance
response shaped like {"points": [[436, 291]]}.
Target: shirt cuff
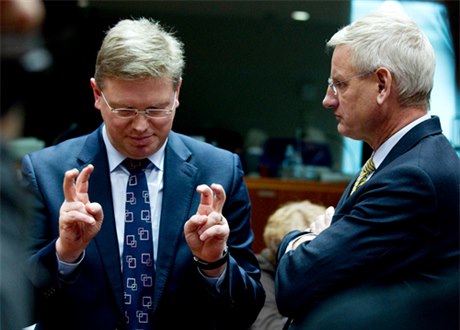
{"points": [[310, 236], [65, 268], [216, 282]]}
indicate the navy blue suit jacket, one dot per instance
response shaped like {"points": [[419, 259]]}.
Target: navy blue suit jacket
{"points": [[93, 297], [401, 227]]}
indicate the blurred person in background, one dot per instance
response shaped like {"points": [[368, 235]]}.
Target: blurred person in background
{"points": [[290, 216], [21, 22]]}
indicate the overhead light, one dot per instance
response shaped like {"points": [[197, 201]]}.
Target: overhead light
{"points": [[300, 15], [83, 3]]}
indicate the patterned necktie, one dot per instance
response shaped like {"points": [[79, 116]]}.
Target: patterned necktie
{"points": [[368, 168], [138, 267]]}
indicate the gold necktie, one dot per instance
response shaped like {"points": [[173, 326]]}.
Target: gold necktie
{"points": [[368, 168]]}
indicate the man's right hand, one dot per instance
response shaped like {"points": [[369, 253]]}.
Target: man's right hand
{"points": [[79, 219]]}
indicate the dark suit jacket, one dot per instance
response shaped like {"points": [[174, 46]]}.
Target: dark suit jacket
{"points": [[401, 227], [432, 306], [93, 297]]}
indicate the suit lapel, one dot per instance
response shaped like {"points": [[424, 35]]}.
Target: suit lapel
{"points": [[178, 191], [408, 141], [100, 190]]}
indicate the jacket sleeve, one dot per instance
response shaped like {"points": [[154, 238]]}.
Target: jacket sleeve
{"points": [[385, 230]]}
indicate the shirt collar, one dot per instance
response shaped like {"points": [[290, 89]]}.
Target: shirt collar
{"points": [[116, 158], [380, 154]]}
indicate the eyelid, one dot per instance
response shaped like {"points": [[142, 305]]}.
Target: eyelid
{"points": [[124, 109], [337, 81], [136, 109], [155, 109]]}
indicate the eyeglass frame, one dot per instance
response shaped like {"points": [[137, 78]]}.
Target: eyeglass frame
{"points": [[133, 112], [333, 85]]}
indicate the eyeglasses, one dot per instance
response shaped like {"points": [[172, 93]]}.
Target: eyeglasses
{"points": [[132, 112], [337, 84]]}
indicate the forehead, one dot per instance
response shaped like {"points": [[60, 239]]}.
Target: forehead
{"points": [[152, 84], [138, 93], [341, 62]]}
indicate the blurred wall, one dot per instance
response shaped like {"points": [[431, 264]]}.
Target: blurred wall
{"points": [[257, 69]]}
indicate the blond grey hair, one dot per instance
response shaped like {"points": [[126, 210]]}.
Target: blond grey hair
{"points": [[141, 48], [289, 216]]}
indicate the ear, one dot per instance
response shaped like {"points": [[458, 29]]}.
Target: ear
{"points": [[385, 80], [96, 94], [179, 85]]}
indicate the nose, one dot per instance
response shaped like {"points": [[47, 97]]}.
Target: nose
{"points": [[330, 101], [141, 122]]}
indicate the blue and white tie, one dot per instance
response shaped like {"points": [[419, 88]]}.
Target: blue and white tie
{"points": [[138, 261]]}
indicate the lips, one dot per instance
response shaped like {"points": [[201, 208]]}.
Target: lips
{"points": [[141, 140]]}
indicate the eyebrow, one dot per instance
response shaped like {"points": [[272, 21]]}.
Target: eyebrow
{"points": [[160, 105]]}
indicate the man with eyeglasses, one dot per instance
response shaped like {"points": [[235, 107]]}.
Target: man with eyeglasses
{"points": [[197, 222], [396, 227]]}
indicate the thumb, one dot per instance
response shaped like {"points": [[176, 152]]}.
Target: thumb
{"points": [[95, 209]]}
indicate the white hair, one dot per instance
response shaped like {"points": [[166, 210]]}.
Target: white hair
{"points": [[394, 41]]}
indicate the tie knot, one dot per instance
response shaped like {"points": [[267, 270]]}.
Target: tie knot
{"points": [[135, 166]]}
